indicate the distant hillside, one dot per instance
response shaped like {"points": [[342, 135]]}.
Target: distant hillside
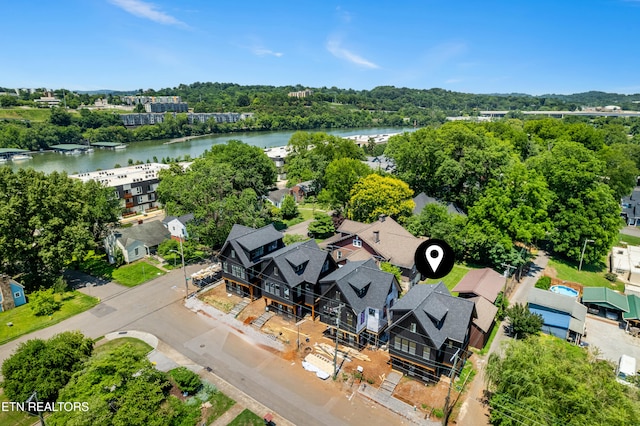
{"points": [[595, 98]]}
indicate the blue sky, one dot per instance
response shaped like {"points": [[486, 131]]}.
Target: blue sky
{"points": [[535, 47]]}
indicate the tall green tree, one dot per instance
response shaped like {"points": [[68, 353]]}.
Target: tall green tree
{"points": [[311, 153], [547, 381], [44, 366], [516, 205], [374, 195], [340, 176], [46, 221], [322, 226], [122, 387], [209, 189], [582, 207]]}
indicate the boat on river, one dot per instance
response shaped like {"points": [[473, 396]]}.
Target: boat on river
{"points": [[20, 157]]}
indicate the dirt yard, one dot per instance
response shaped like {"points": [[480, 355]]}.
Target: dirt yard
{"points": [[375, 363], [220, 299]]}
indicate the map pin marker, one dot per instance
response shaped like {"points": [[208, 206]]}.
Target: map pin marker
{"points": [[434, 256]]}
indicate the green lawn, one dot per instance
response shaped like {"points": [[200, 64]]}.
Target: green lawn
{"points": [[31, 114], [15, 418], [590, 276], [247, 418], [105, 346], [24, 321], [220, 403], [629, 239], [453, 278], [97, 266], [136, 273]]}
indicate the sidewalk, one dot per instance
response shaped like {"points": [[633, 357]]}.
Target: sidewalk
{"points": [[167, 358]]}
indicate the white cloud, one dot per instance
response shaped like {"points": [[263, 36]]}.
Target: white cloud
{"points": [[334, 46], [264, 52], [149, 11]]}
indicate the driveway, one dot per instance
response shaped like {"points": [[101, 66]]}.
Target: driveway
{"points": [[611, 340]]}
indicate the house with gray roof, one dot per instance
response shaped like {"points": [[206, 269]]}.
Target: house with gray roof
{"points": [[242, 257], [562, 315], [290, 278], [422, 200], [366, 294], [177, 226], [429, 332], [135, 242]]}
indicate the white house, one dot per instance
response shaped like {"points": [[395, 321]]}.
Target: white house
{"points": [[177, 226]]}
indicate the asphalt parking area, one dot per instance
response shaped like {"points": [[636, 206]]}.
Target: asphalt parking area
{"points": [[611, 340]]}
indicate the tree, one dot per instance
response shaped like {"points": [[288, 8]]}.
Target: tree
{"points": [[392, 269], [44, 366], [289, 208], [220, 189], [322, 226], [374, 195], [43, 302], [547, 381], [582, 206], [187, 380], [121, 386], [46, 221], [435, 221], [339, 177], [59, 117], [311, 153], [515, 205], [523, 322]]}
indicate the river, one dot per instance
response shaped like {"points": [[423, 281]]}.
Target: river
{"points": [[142, 151]]}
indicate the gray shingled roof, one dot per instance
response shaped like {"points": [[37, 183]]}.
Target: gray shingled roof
{"points": [[559, 302], [359, 275], [421, 200], [428, 302], [150, 234], [305, 253], [244, 239]]}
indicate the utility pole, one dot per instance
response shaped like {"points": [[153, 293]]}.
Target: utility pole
{"points": [[34, 395], [184, 271], [335, 354], [452, 375], [506, 277], [584, 247]]}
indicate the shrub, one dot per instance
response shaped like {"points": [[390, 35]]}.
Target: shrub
{"points": [[43, 302], [611, 277], [544, 283], [187, 380], [438, 413]]}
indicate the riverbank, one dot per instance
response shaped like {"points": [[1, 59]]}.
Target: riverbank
{"points": [[156, 150]]}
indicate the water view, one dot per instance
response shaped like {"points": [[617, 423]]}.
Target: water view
{"points": [[142, 151]]}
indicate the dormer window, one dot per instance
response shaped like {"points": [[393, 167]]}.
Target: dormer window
{"points": [[413, 327], [325, 266], [275, 271], [233, 254], [300, 268], [357, 242]]}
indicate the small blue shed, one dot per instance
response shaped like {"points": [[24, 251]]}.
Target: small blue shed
{"points": [[11, 293]]}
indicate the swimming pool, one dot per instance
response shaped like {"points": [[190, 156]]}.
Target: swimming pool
{"points": [[564, 290]]}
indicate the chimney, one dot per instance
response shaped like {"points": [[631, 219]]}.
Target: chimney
{"points": [[382, 217], [376, 236]]}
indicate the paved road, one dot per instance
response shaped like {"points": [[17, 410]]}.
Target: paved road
{"points": [[472, 413], [157, 308]]}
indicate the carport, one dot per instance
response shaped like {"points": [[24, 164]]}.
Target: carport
{"points": [[605, 302]]}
